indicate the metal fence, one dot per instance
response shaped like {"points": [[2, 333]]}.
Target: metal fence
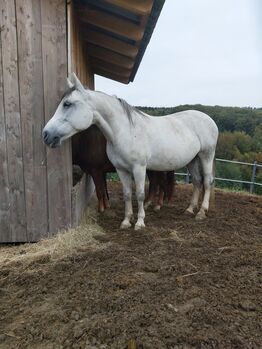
{"points": [[252, 183]]}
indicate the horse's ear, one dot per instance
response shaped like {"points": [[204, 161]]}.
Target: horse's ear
{"points": [[69, 83], [77, 83]]}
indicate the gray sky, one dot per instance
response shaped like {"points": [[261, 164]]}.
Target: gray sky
{"points": [[202, 51]]}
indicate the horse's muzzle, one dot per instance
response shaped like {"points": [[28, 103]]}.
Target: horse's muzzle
{"points": [[53, 141]]}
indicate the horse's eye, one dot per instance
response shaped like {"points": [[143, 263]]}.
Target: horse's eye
{"points": [[67, 104]]}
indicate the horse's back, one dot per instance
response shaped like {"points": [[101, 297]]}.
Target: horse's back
{"points": [[174, 140], [205, 127], [198, 123]]}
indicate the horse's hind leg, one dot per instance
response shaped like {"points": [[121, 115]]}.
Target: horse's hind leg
{"points": [[98, 179], [126, 180], [160, 189], [170, 181], [208, 179], [160, 199], [105, 195], [197, 180], [151, 188], [139, 173]]}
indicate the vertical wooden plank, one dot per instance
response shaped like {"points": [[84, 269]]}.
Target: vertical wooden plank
{"points": [[77, 57], [89, 75], [69, 36], [4, 185], [29, 34], [59, 163], [13, 122]]}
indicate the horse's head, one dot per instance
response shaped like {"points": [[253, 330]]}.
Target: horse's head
{"points": [[74, 114]]}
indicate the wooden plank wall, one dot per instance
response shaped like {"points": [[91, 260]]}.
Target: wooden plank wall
{"points": [[15, 171], [35, 182], [59, 161], [78, 62], [77, 50], [4, 182], [30, 65]]}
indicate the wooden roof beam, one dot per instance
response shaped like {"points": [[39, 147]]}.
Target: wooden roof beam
{"points": [[105, 41], [112, 76], [136, 6], [97, 63], [110, 56], [111, 23]]}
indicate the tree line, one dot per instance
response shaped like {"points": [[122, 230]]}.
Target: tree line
{"points": [[240, 139]]}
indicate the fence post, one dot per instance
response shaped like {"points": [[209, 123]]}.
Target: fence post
{"points": [[253, 177], [187, 176]]}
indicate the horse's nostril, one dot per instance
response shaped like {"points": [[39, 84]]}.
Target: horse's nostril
{"points": [[45, 135]]}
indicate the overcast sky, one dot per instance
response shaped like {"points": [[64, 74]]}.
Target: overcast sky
{"points": [[201, 51]]}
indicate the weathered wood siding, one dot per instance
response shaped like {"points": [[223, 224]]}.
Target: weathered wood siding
{"points": [[78, 63], [30, 65], [4, 181], [59, 163], [12, 116], [35, 182], [77, 50]]}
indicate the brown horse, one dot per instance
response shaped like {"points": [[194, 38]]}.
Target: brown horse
{"points": [[89, 153], [161, 187]]}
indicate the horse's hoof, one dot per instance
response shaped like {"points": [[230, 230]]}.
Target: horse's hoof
{"points": [[146, 205], [132, 219], [139, 226], [157, 208], [189, 211], [108, 205], [125, 225], [200, 216], [170, 205]]}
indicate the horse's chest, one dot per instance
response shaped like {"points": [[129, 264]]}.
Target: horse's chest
{"points": [[123, 156]]}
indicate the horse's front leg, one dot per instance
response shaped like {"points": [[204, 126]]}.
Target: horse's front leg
{"points": [[139, 177], [126, 180]]}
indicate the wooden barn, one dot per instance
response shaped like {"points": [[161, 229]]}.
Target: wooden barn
{"points": [[41, 41]]}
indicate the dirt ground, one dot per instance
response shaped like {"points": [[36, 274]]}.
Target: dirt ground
{"points": [[179, 283]]}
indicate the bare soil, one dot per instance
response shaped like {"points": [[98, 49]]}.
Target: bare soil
{"points": [[179, 283]]}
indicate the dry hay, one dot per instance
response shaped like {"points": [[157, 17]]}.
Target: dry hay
{"points": [[65, 243]]}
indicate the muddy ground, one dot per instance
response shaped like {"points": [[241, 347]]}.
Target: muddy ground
{"points": [[180, 283]]}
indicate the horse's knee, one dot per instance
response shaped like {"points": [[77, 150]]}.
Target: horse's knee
{"points": [[127, 195], [140, 195], [208, 181]]}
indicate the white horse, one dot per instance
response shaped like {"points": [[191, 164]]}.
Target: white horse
{"points": [[137, 141]]}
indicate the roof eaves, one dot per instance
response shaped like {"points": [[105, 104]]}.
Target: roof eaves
{"points": [[152, 20]]}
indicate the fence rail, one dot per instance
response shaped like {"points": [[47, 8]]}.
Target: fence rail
{"points": [[252, 183]]}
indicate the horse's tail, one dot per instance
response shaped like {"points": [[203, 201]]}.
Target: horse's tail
{"points": [[212, 193]]}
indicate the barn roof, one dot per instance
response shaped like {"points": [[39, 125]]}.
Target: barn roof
{"points": [[117, 33]]}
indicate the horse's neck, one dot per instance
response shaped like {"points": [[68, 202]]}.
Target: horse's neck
{"points": [[109, 116]]}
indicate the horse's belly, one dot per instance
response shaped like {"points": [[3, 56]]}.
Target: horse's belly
{"points": [[168, 159]]}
